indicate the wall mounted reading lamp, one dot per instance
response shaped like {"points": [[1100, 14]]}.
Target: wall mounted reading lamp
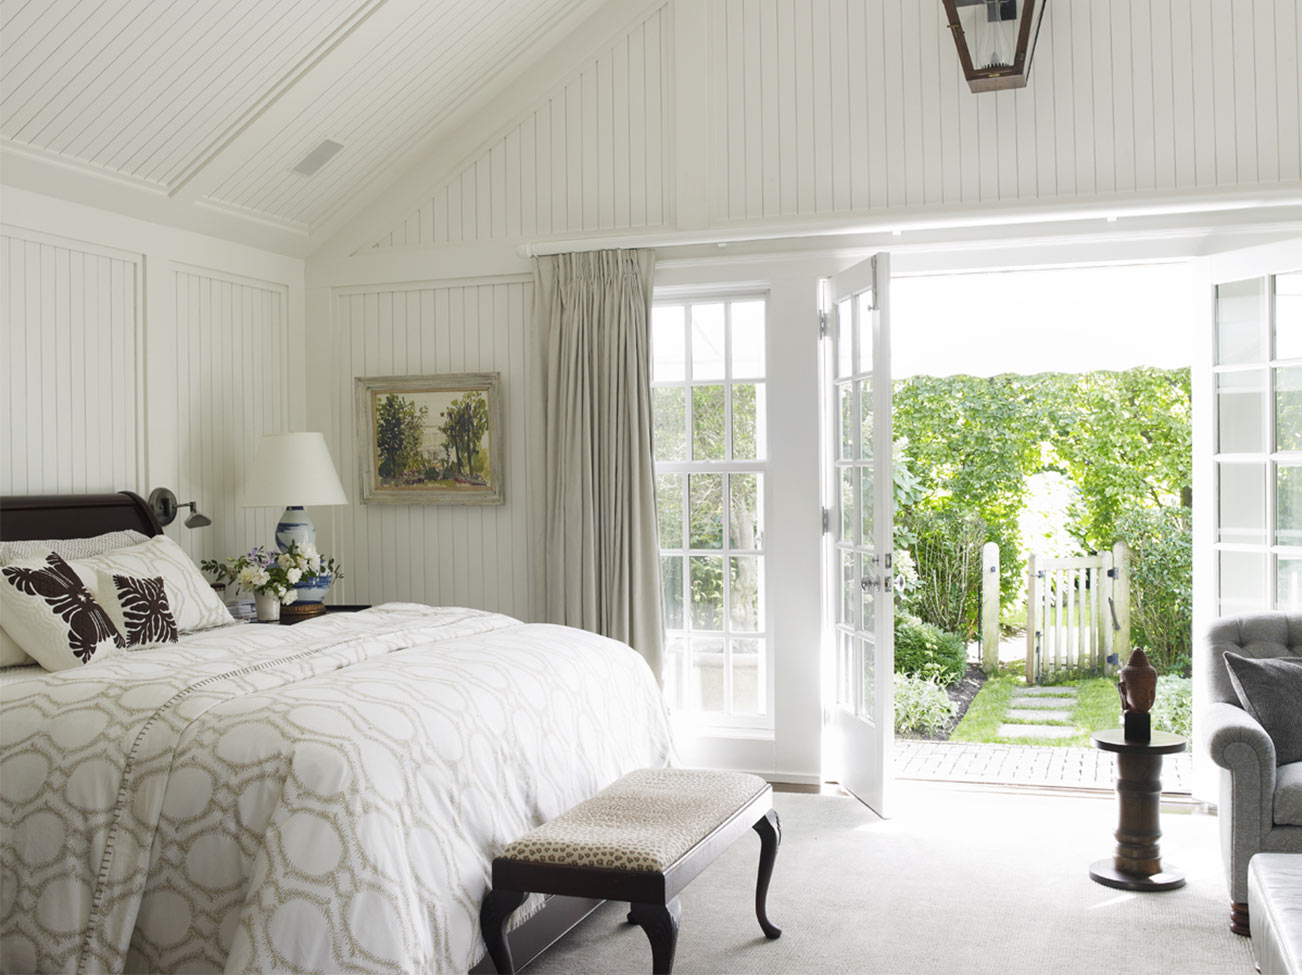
{"points": [[166, 508]]}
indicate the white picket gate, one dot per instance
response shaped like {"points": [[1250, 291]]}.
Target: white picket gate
{"points": [[1077, 612]]}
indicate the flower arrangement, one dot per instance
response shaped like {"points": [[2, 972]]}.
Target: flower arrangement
{"points": [[272, 573]]}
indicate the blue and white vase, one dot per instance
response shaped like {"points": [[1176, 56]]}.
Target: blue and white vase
{"points": [[314, 589]]}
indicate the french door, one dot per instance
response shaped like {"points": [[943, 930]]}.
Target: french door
{"points": [[1247, 445], [859, 522]]}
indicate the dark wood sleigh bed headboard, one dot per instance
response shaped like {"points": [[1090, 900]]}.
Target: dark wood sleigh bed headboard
{"points": [[31, 516]]}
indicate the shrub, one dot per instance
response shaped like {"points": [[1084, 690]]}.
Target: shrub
{"points": [[1161, 585], [926, 651], [947, 552], [921, 705], [1173, 709]]}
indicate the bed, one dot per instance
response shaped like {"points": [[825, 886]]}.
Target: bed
{"points": [[322, 797]]}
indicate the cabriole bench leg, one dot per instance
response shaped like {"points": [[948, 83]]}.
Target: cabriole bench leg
{"points": [[660, 922], [769, 828], [498, 907]]}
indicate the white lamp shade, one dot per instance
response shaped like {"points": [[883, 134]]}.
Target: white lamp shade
{"points": [[292, 469]]}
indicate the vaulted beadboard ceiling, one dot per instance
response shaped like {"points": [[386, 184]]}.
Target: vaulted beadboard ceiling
{"points": [[211, 103]]}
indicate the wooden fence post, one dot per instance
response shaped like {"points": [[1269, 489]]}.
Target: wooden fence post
{"points": [[1105, 612], [990, 607], [1121, 601], [1032, 603]]}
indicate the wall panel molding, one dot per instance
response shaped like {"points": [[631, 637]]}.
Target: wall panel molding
{"points": [[451, 555], [74, 342], [232, 364]]}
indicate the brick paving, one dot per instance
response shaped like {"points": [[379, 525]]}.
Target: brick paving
{"points": [[1073, 768]]}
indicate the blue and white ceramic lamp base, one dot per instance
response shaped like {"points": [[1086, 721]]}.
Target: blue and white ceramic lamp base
{"points": [[296, 526]]}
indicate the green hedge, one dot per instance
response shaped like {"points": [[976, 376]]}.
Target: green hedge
{"points": [[1173, 707], [926, 651]]}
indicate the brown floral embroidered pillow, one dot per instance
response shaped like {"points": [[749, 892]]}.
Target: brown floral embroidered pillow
{"points": [[53, 616], [139, 608]]}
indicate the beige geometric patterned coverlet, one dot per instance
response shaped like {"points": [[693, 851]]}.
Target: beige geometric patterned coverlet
{"points": [[325, 797]]}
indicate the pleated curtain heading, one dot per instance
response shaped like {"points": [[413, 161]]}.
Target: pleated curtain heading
{"points": [[601, 559]]}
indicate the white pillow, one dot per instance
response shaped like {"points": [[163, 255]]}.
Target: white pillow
{"points": [[139, 608], [194, 603], [11, 654], [69, 548], [53, 615]]}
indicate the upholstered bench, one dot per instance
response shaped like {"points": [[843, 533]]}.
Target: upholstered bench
{"points": [[1275, 906], [641, 840]]}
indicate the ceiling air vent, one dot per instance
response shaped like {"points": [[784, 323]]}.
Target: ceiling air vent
{"points": [[318, 157]]}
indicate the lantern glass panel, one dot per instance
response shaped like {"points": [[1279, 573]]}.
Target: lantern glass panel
{"points": [[991, 28]]}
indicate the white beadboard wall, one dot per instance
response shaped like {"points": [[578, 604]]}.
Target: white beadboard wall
{"points": [[449, 555], [231, 364], [591, 157], [850, 107], [72, 350], [138, 356], [840, 106]]}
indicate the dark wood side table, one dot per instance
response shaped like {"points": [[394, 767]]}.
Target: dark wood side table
{"points": [[329, 608], [1137, 863]]}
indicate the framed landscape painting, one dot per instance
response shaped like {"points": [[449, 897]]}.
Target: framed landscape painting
{"points": [[430, 439]]}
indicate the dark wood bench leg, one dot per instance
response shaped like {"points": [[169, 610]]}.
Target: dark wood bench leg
{"points": [[496, 911], [769, 828], [660, 922]]}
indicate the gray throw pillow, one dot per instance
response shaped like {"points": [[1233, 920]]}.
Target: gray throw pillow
{"points": [[1270, 689]]}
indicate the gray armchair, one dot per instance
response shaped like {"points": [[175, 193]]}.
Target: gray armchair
{"points": [[1260, 806]]}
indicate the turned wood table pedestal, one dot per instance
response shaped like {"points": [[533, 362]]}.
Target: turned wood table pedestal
{"points": [[1137, 863]]}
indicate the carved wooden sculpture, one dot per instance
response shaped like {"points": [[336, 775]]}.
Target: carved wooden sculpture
{"points": [[1137, 685]]}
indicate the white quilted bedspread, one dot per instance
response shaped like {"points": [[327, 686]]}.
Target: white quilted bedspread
{"points": [[324, 797]]}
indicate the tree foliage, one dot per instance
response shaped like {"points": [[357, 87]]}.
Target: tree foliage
{"points": [[464, 425], [970, 444], [399, 434]]}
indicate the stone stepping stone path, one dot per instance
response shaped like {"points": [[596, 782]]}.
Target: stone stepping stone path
{"points": [[1047, 709], [1037, 716]]}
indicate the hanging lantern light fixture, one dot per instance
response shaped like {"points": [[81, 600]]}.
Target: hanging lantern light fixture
{"points": [[995, 40]]}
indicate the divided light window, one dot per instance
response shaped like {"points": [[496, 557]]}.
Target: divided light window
{"points": [[708, 388], [1258, 375]]}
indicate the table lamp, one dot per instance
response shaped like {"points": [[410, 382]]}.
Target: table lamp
{"points": [[293, 469]]}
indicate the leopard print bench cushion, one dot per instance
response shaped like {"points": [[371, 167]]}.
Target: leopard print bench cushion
{"points": [[645, 821]]}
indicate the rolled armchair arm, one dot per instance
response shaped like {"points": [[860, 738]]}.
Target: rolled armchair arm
{"points": [[1238, 744], [1228, 726]]}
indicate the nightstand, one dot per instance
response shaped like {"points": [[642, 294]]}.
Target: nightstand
{"points": [[330, 608]]}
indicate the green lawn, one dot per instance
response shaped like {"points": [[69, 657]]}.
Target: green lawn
{"points": [[1097, 706]]}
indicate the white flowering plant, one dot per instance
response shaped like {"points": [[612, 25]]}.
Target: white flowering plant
{"points": [[273, 573]]}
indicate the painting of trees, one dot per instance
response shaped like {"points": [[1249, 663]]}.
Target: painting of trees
{"points": [[431, 439]]}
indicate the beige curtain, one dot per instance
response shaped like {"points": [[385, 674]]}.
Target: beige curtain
{"points": [[601, 559]]}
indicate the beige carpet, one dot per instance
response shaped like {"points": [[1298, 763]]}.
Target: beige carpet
{"points": [[957, 881]]}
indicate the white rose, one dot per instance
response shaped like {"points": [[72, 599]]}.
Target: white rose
{"points": [[289, 596], [308, 551], [314, 563], [261, 577], [293, 575], [285, 561]]}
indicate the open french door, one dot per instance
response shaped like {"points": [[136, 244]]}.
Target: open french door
{"points": [[859, 524], [1247, 386]]}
